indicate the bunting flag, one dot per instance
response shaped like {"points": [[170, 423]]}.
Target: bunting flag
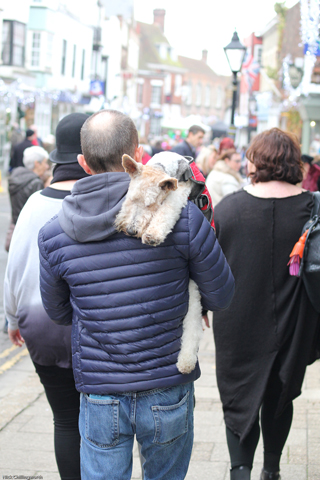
{"points": [[250, 70]]}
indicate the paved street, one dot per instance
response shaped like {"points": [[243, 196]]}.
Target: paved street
{"points": [[26, 429]]}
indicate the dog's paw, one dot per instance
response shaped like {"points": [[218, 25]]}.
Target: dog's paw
{"points": [[149, 239], [186, 364]]}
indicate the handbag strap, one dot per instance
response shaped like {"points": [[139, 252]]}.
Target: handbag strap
{"points": [[316, 205]]}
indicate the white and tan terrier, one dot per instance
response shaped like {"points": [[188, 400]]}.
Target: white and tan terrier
{"points": [[150, 211]]}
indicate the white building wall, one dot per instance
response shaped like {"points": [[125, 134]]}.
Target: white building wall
{"points": [[16, 10], [63, 27], [111, 41]]}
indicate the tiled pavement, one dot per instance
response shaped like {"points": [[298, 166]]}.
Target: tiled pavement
{"points": [[26, 435]]}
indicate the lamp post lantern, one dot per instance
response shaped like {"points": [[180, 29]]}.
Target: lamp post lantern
{"points": [[235, 53]]}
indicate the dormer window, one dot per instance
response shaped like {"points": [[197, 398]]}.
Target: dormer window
{"points": [[173, 55], [163, 51]]}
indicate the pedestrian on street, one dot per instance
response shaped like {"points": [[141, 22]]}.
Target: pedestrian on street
{"points": [[225, 145], [266, 339], [127, 301], [49, 345], [16, 135], [311, 174], [37, 140], [24, 181], [19, 148], [207, 159], [225, 178], [194, 140]]}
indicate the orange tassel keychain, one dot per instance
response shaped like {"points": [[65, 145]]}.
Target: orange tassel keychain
{"points": [[296, 255]]}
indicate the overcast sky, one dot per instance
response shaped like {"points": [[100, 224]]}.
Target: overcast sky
{"points": [[194, 25]]}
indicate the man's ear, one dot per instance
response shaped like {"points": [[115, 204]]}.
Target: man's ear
{"points": [[169, 183], [82, 162], [138, 154], [131, 166]]}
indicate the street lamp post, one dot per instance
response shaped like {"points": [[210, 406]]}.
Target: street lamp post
{"points": [[235, 53]]}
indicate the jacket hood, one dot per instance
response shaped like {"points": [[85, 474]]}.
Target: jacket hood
{"points": [[19, 178], [88, 214]]}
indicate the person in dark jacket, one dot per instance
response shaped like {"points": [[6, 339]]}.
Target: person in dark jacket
{"points": [[18, 150], [126, 302], [49, 344], [269, 334], [26, 180], [188, 147]]}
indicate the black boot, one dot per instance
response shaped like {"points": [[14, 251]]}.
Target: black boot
{"points": [[269, 475], [240, 473]]}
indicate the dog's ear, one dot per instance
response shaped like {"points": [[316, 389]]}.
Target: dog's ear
{"points": [[131, 166], [169, 183]]}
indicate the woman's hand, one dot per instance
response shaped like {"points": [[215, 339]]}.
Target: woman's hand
{"points": [[15, 337]]}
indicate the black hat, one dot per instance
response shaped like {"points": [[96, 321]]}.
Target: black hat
{"points": [[29, 133], [307, 159], [68, 139]]}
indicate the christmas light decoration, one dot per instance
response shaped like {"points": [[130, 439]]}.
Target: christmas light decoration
{"points": [[310, 16]]}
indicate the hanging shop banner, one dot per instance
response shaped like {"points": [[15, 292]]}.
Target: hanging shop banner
{"points": [[96, 87]]}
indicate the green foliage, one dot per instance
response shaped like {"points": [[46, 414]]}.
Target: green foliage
{"points": [[294, 122], [272, 73], [280, 9]]}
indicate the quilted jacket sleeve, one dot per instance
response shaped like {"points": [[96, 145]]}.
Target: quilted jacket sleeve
{"points": [[55, 291], [207, 264]]}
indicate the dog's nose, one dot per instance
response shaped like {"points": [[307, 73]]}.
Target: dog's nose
{"points": [[131, 231]]}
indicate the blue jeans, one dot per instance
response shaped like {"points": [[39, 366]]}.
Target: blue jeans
{"points": [[162, 421]]}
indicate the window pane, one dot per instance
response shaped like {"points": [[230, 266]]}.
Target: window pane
{"points": [[35, 60], [156, 94], [6, 29], [6, 39], [155, 125], [36, 40], [63, 58], [17, 56], [19, 34], [49, 49], [83, 63]]}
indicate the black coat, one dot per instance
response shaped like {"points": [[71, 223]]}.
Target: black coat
{"points": [[17, 156], [270, 315], [184, 149]]}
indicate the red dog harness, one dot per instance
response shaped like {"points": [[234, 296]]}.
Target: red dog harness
{"points": [[199, 195]]}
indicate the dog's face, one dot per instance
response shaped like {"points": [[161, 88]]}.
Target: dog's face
{"points": [[148, 189], [149, 186]]}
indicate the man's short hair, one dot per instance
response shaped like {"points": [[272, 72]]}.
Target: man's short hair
{"points": [[34, 154], [194, 129], [105, 137]]}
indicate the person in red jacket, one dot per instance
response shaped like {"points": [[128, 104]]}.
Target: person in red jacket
{"points": [[311, 174]]}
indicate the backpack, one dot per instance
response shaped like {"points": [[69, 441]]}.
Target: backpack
{"points": [[305, 257]]}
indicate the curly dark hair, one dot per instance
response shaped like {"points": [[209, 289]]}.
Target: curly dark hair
{"points": [[276, 155]]}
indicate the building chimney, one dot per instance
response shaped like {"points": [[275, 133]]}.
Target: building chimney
{"points": [[204, 56], [158, 18]]}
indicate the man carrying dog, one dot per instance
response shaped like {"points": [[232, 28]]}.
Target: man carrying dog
{"points": [[127, 302]]}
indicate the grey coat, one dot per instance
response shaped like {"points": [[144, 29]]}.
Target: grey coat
{"points": [[22, 183]]}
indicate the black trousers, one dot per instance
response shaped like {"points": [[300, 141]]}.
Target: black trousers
{"points": [[275, 431], [64, 401]]}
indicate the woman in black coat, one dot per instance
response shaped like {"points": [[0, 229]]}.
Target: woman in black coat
{"points": [[267, 337]]}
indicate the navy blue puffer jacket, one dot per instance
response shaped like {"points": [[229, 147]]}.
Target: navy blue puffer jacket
{"points": [[126, 300]]}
